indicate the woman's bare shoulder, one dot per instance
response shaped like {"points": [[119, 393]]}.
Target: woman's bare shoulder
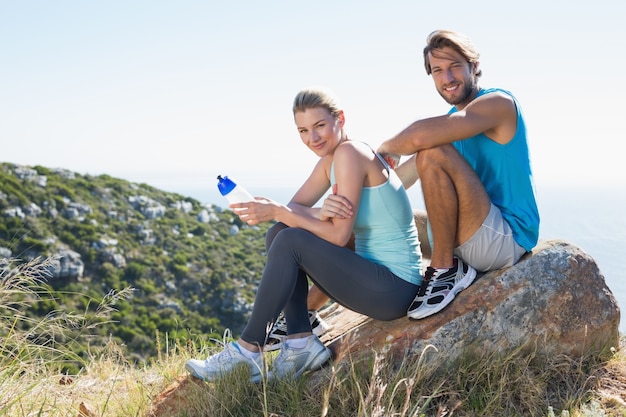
{"points": [[356, 147], [354, 153]]}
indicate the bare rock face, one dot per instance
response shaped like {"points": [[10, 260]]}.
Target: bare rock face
{"points": [[67, 264], [554, 300]]}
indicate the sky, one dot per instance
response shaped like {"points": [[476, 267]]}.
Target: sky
{"points": [[174, 93]]}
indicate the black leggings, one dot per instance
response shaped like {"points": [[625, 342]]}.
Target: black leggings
{"points": [[351, 280]]}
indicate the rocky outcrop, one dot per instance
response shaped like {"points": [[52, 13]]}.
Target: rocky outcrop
{"points": [[554, 300], [66, 264]]}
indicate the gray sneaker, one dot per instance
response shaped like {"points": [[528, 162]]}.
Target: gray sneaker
{"points": [[224, 362], [292, 362]]}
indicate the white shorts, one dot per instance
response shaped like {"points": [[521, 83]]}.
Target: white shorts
{"points": [[492, 246]]}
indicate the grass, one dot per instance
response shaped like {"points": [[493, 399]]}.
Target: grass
{"points": [[34, 377]]}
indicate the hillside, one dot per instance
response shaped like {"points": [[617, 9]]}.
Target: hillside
{"points": [[192, 268]]}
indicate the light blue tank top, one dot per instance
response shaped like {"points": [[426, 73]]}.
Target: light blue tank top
{"points": [[384, 229], [505, 172]]}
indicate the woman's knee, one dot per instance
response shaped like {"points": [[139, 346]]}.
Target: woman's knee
{"points": [[291, 238], [272, 232]]}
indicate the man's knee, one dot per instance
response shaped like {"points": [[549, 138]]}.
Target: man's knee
{"points": [[429, 159]]}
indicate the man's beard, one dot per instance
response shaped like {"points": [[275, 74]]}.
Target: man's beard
{"points": [[464, 98]]}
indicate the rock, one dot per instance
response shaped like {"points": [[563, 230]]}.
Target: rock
{"points": [[554, 300], [66, 263], [174, 397], [85, 410]]}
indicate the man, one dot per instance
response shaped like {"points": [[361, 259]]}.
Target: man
{"points": [[475, 173]]}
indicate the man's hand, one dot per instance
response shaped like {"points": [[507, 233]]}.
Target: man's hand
{"points": [[392, 159]]}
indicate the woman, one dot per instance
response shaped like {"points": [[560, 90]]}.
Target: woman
{"points": [[379, 279]]}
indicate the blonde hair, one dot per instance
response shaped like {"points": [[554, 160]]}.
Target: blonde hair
{"points": [[313, 97], [448, 38]]}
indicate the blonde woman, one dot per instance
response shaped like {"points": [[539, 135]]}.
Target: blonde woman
{"points": [[379, 278]]}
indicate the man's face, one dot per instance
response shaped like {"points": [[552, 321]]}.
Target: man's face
{"points": [[454, 77]]}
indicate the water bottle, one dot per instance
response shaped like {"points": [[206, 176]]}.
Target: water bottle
{"points": [[233, 192]]}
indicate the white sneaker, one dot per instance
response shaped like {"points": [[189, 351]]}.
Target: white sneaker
{"points": [[292, 362], [220, 364], [277, 336], [439, 288]]}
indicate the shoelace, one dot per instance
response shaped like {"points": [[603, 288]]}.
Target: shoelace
{"points": [[281, 353], [428, 276], [228, 348], [226, 351]]}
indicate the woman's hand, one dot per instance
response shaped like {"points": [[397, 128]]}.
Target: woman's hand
{"points": [[258, 211], [335, 206]]}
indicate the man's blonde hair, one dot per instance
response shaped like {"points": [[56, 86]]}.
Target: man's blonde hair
{"points": [[459, 42]]}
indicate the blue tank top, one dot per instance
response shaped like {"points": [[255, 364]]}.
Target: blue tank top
{"points": [[384, 228], [506, 175]]}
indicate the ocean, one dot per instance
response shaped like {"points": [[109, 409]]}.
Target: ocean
{"points": [[588, 217]]}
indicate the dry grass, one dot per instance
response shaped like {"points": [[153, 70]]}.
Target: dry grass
{"points": [[516, 384]]}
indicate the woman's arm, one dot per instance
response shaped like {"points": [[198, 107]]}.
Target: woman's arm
{"points": [[407, 172], [312, 190], [338, 206], [308, 194], [350, 172]]}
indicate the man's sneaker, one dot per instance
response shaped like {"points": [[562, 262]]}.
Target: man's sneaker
{"points": [[277, 336], [223, 363], [292, 362], [439, 288]]}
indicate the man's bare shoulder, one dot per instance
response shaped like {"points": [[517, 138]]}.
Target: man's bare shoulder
{"points": [[492, 103], [498, 111], [496, 98]]}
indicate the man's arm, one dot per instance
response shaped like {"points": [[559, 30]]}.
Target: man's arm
{"points": [[493, 114]]}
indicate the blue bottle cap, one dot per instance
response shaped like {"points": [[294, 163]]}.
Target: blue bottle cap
{"points": [[225, 185]]}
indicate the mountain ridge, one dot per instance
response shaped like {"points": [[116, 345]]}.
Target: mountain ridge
{"points": [[193, 267]]}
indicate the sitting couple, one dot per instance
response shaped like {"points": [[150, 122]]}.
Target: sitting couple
{"points": [[474, 168]]}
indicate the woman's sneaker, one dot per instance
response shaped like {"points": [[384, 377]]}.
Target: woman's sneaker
{"points": [[439, 288], [277, 336], [223, 363], [293, 362]]}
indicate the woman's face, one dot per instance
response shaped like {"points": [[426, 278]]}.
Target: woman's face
{"points": [[319, 130]]}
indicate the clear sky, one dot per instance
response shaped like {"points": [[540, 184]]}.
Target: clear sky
{"points": [[172, 93]]}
